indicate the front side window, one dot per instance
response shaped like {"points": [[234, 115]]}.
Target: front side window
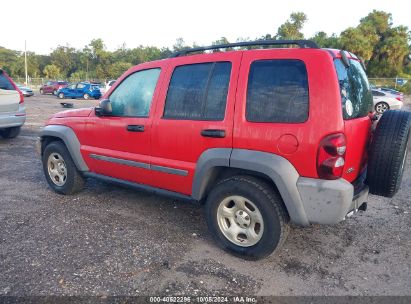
{"points": [[198, 92], [81, 86], [134, 95], [277, 91], [72, 86], [356, 97]]}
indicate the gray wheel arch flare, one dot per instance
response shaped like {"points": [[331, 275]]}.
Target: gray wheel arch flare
{"points": [[277, 168], [71, 141]]}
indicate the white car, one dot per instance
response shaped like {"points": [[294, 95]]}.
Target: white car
{"points": [[12, 110], [106, 87], [384, 101]]}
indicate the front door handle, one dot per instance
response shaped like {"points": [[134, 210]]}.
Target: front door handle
{"points": [[135, 128], [213, 133]]}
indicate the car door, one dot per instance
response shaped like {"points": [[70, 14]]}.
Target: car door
{"points": [[48, 87], [119, 145], [194, 114], [377, 96], [80, 89], [70, 90]]}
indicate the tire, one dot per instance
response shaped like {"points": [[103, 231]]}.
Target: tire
{"points": [[73, 181], [86, 96], [54, 92], [41, 92], [10, 132], [388, 153], [381, 107], [61, 95], [269, 221]]}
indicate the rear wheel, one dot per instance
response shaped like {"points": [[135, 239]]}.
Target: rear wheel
{"points": [[388, 153], [246, 216], [381, 107], [10, 132], [59, 169], [55, 92], [86, 96], [41, 92], [61, 95]]}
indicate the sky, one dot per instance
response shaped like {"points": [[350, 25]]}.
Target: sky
{"points": [[45, 24]]}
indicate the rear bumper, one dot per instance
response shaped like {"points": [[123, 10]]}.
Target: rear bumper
{"points": [[13, 119], [329, 201], [396, 105]]}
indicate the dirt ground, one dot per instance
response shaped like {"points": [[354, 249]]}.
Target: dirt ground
{"points": [[109, 240]]}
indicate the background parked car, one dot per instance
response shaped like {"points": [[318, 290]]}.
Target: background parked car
{"points": [[106, 87], [384, 101], [51, 87], [109, 84], [12, 110], [393, 92], [80, 90], [27, 92]]}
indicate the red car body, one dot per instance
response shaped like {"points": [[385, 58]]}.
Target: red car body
{"points": [[179, 144], [51, 87]]}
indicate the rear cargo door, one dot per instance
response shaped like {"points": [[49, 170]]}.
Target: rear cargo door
{"points": [[357, 103], [9, 97]]}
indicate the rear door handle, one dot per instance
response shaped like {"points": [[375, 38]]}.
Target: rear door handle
{"points": [[135, 128], [213, 133]]}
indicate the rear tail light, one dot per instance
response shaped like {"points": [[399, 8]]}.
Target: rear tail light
{"points": [[21, 97], [331, 156], [398, 98]]}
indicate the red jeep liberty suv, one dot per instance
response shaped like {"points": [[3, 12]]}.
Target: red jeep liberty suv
{"points": [[263, 137]]}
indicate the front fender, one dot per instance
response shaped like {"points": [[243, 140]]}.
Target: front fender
{"points": [[71, 141]]}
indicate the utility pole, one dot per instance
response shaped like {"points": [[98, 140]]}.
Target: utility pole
{"points": [[25, 61]]}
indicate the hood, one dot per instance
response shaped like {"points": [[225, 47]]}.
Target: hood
{"points": [[73, 113]]}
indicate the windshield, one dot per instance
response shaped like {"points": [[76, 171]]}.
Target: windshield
{"points": [[356, 97]]}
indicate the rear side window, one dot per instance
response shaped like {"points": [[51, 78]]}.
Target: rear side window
{"points": [[198, 92], [277, 91], [356, 97], [5, 83]]}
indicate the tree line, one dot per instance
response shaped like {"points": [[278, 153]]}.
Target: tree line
{"points": [[385, 49]]}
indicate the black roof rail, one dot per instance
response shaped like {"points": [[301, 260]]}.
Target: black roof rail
{"points": [[300, 43]]}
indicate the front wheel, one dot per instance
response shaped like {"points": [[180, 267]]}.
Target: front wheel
{"points": [[86, 96], [61, 95], [247, 217], [41, 92], [60, 171], [10, 132], [381, 107]]}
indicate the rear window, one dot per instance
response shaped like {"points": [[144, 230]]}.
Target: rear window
{"points": [[5, 83], [198, 92], [356, 96], [277, 91]]}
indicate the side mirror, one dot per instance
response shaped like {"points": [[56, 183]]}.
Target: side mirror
{"points": [[104, 108]]}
